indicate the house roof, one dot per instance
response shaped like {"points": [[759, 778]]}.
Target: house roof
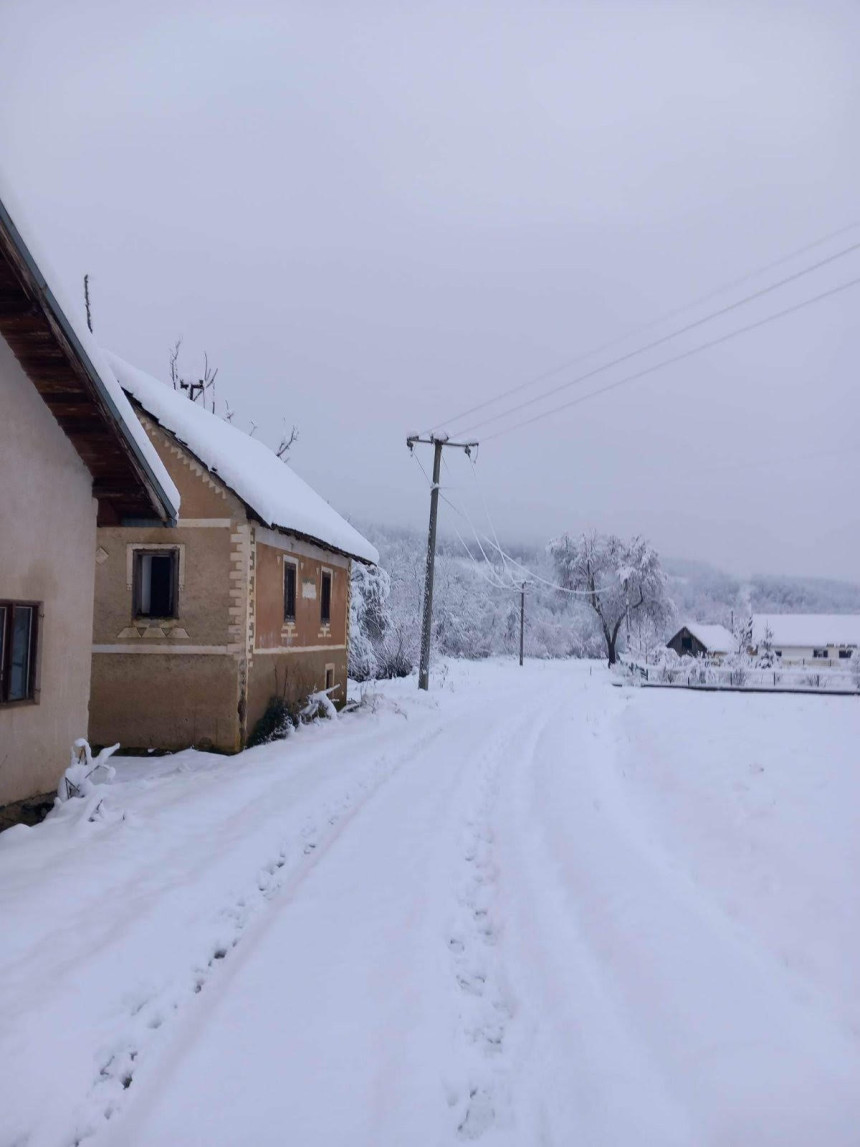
{"points": [[60, 357], [808, 629], [275, 494], [715, 638]]}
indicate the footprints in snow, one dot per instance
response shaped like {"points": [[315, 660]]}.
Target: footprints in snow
{"points": [[146, 1013], [485, 1006]]}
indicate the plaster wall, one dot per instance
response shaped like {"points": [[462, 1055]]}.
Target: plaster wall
{"points": [[47, 548], [168, 683]]}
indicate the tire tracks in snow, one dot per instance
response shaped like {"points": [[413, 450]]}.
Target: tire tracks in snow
{"points": [[672, 1026], [149, 1018], [483, 1099]]}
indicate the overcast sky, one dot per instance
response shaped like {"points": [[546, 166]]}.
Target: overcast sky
{"points": [[374, 216]]}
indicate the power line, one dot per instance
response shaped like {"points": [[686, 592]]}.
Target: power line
{"points": [[676, 358], [663, 339], [650, 325], [534, 577]]}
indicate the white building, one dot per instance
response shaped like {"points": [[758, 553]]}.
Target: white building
{"points": [[799, 637]]}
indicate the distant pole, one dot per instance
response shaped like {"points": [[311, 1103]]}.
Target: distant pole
{"points": [[522, 618], [427, 614], [427, 617]]}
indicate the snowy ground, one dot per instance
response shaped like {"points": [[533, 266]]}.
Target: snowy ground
{"points": [[529, 908]]}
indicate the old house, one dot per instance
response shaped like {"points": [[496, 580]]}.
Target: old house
{"points": [[198, 628], [72, 454], [697, 640]]}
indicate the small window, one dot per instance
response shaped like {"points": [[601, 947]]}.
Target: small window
{"points": [[325, 598], [289, 591], [18, 631], [329, 677], [819, 653], [778, 652], [845, 654], [155, 581], [687, 644]]}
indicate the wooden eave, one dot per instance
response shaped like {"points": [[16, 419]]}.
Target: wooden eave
{"points": [[32, 325]]}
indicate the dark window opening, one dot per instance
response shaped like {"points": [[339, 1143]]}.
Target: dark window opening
{"points": [[289, 591], [687, 644], [844, 654], [18, 631], [155, 583], [819, 653], [325, 599], [329, 678]]}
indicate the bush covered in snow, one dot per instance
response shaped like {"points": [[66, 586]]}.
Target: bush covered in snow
{"points": [[85, 771]]}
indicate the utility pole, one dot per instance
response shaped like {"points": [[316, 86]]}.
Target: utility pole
{"points": [[427, 616], [522, 618]]}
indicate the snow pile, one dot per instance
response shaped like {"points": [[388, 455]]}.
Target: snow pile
{"points": [[275, 493], [129, 423]]}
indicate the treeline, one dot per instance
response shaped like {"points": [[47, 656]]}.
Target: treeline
{"points": [[476, 604]]}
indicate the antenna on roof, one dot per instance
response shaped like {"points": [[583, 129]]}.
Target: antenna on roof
{"points": [[87, 303]]}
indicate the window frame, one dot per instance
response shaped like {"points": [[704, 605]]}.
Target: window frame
{"points": [[326, 575], [291, 565], [157, 551], [8, 607], [820, 654]]}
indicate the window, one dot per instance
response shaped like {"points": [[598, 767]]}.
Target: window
{"points": [[818, 653], [19, 622], [155, 583], [778, 652], [325, 598], [687, 644], [329, 676], [845, 654], [289, 591]]}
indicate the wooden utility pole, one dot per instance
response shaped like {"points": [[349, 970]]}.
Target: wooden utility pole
{"points": [[427, 615], [522, 618]]}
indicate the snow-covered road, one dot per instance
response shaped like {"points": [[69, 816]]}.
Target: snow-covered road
{"points": [[527, 909]]}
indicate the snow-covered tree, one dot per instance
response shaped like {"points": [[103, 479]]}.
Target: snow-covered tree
{"points": [[368, 619], [744, 633], [766, 655], [618, 579]]}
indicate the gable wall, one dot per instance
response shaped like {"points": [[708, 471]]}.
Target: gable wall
{"points": [[172, 683]]}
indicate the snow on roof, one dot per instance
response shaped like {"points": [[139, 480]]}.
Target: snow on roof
{"points": [[276, 494], [808, 629], [715, 638], [91, 356]]}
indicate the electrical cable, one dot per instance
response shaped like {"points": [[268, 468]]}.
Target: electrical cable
{"points": [[676, 358], [659, 342]]}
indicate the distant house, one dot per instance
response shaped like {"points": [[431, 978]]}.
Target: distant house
{"points": [[697, 640], [72, 453], [799, 637], [247, 599]]}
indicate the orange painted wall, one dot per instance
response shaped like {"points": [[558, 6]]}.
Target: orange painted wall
{"points": [[271, 630]]}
